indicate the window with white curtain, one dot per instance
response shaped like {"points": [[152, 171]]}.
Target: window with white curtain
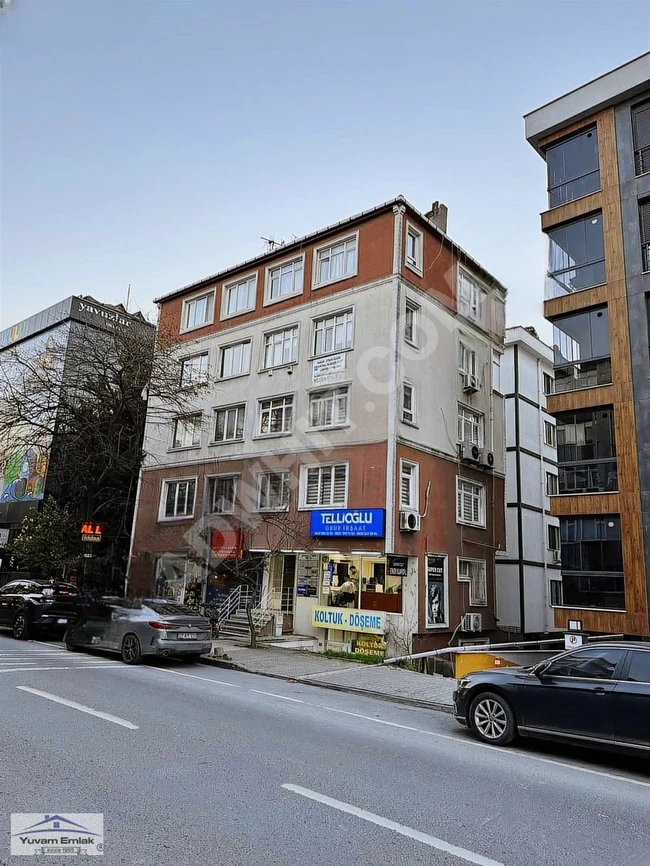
{"points": [[470, 502], [324, 485], [408, 496], [328, 408]]}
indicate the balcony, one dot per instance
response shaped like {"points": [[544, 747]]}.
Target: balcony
{"points": [[597, 477], [583, 374]]}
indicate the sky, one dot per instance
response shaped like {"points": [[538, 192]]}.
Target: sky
{"points": [[155, 142]]}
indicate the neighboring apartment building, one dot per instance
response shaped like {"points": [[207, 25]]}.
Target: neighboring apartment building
{"points": [[596, 144], [528, 578], [340, 373]]}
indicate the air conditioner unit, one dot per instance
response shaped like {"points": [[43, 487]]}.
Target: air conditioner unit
{"points": [[409, 521], [472, 622], [469, 451], [471, 383], [487, 459]]}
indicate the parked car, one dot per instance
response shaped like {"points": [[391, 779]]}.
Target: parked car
{"points": [[597, 695], [137, 628], [29, 607]]}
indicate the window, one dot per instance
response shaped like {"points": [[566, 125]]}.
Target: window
{"points": [[236, 360], [598, 664], [641, 127], [549, 434], [221, 494], [325, 485], [496, 371], [551, 484], [239, 297], [586, 451], [548, 383], [335, 262], [178, 498], [194, 370], [414, 248], [581, 350], [470, 426], [276, 415], [409, 495], [473, 571], [553, 537], [281, 347], [284, 280], [333, 333], [556, 592], [466, 360], [229, 423], [573, 169], [576, 256], [592, 562], [274, 491], [328, 408], [644, 223], [472, 299], [470, 502], [639, 671], [412, 324], [187, 432], [197, 311], [409, 413]]}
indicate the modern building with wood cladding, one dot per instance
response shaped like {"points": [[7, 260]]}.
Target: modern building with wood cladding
{"points": [[596, 144]]}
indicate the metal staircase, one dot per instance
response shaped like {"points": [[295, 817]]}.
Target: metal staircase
{"points": [[232, 618]]}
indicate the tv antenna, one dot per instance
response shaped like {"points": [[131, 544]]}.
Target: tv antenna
{"points": [[272, 244]]}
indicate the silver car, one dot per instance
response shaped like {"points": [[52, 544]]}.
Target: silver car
{"points": [[140, 627]]}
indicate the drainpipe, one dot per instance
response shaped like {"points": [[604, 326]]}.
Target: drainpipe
{"points": [[520, 520], [542, 484], [391, 455], [132, 540]]}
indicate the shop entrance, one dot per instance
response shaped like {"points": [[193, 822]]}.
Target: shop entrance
{"points": [[288, 582]]}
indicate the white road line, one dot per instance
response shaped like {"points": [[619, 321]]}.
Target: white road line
{"points": [[56, 668], [402, 829], [206, 679], [273, 695], [82, 709]]}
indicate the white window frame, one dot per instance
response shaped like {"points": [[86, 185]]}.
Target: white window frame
{"points": [[277, 266], [414, 263], [235, 284], [163, 498], [552, 488], [236, 408], [285, 477], [473, 303], [281, 332], [548, 379], [196, 420], [465, 353], [468, 417], [348, 323], [344, 239], [232, 476], [460, 517], [407, 468], [475, 600], [222, 358], [288, 402], [337, 394], [415, 310], [549, 527], [496, 372], [412, 421], [203, 370], [209, 293], [553, 435], [304, 475]]}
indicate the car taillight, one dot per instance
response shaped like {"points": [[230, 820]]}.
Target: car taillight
{"points": [[162, 625]]}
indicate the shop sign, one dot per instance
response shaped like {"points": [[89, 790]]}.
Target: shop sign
{"points": [[91, 532], [4, 537], [397, 565], [371, 645], [437, 594], [307, 583], [349, 619], [328, 369], [227, 544], [347, 523]]}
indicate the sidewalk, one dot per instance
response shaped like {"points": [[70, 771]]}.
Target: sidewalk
{"points": [[381, 681]]}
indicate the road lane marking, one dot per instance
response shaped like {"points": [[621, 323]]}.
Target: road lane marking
{"points": [[273, 695], [206, 679], [57, 668], [116, 720], [402, 829]]}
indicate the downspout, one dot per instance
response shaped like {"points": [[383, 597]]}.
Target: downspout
{"points": [[520, 520], [542, 484], [132, 540]]}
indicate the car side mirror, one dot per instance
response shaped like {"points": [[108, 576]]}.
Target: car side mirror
{"points": [[540, 670]]}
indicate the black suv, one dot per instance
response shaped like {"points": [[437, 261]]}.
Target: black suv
{"points": [[30, 606]]}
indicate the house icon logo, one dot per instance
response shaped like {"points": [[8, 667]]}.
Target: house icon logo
{"points": [[57, 833]]}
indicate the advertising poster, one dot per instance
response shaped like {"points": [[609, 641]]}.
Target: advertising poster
{"points": [[437, 601]]}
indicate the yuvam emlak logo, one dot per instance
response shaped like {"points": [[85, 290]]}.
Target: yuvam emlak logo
{"points": [[65, 834]]}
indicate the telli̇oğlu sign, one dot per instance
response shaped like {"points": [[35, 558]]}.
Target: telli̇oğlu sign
{"points": [[347, 523], [347, 619]]}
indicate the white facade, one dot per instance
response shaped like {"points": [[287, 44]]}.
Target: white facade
{"points": [[531, 560]]}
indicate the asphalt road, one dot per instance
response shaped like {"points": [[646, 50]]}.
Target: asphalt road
{"points": [[198, 766]]}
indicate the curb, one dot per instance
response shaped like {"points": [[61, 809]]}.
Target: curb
{"points": [[394, 699]]}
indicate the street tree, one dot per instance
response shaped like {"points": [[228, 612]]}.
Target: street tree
{"points": [[48, 541]]}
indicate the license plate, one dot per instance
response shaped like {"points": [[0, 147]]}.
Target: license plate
{"points": [[62, 622], [187, 635]]}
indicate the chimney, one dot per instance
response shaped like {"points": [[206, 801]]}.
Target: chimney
{"points": [[438, 216]]}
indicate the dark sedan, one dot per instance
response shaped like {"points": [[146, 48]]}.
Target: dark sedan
{"points": [[31, 606], [597, 695]]}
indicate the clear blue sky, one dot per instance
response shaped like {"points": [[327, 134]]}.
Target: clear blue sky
{"points": [[153, 142]]}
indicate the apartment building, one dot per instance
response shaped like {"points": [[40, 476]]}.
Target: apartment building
{"points": [[596, 144], [528, 577], [348, 428]]}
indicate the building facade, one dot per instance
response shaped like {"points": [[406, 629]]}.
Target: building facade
{"points": [[596, 144], [528, 571], [341, 382]]}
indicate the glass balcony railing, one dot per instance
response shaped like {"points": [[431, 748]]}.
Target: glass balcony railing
{"points": [[583, 374], [574, 279]]}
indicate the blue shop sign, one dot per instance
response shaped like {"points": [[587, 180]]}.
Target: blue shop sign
{"points": [[347, 523]]}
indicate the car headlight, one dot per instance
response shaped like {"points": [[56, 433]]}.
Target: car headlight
{"points": [[462, 684]]}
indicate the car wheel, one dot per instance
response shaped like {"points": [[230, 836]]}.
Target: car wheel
{"points": [[492, 720], [131, 651], [70, 645], [20, 626]]}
